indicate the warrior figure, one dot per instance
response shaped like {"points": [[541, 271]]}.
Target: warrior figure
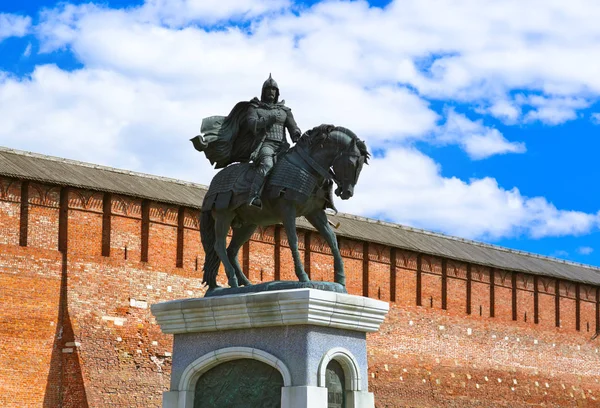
{"points": [[253, 131], [268, 119]]}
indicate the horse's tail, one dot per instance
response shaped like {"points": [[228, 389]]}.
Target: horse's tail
{"points": [[211, 259]]}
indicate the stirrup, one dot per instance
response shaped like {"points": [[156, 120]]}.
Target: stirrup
{"points": [[255, 202]]}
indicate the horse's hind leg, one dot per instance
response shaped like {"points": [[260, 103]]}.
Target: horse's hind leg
{"points": [[222, 223], [319, 221], [239, 238]]}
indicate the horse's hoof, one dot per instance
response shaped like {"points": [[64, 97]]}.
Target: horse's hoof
{"points": [[303, 278], [246, 283], [233, 283], [341, 281]]}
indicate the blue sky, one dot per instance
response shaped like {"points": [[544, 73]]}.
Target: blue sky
{"points": [[484, 121]]}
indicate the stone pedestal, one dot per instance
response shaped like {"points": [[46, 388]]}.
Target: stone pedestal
{"points": [[298, 332]]}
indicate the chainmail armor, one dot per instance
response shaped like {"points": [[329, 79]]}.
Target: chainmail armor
{"points": [[286, 175]]}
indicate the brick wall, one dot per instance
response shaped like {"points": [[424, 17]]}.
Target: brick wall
{"points": [[430, 358], [79, 269]]}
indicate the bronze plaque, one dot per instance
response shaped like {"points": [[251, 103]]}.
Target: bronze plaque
{"points": [[335, 382], [239, 383]]}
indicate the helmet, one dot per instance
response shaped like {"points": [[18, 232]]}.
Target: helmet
{"points": [[269, 83]]}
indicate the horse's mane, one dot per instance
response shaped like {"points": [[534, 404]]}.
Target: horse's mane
{"points": [[319, 134]]}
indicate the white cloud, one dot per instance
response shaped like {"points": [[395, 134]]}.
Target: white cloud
{"points": [[27, 51], [553, 111], [102, 117], [477, 52], [231, 64], [12, 25], [476, 139], [585, 250], [596, 118], [505, 110], [407, 187], [149, 77], [177, 13]]}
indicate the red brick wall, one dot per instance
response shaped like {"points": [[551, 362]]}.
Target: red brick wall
{"points": [[379, 272], [262, 251], [126, 228], [29, 303], [525, 298], [406, 278], [10, 211], [426, 358], [480, 291], [431, 289], [321, 260], [193, 254], [103, 339], [503, 295], [588, 308], [352, 253], [547, 302], [162, 240], [43, 216], [567, 305], [85, 222]]}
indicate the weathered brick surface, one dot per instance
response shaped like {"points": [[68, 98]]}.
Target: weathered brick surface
{"points": [[427, 358], [10, 211], [352, 252], [30, 281], [42, 231], [379, 272], [76, 328], [406, 278], [480, 292]]}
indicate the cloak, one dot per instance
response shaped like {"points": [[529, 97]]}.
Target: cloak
{"points": [[228, 139]]}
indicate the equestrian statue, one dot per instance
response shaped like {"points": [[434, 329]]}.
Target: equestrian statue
{"points": [[265, 182]]}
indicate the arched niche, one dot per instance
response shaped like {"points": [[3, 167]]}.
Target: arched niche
{"points": [[192, 373], [349, 365]]}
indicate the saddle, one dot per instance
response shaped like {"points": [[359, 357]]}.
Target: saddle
{"points": [[230, 188]]}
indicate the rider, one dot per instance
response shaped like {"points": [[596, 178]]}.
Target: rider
{"points": [[267, 119]]}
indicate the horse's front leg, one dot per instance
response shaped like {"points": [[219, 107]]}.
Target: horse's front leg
{"points": [[288, 212], [222, 223], [318, 220]]}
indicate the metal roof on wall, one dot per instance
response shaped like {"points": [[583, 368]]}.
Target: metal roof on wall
{"points": [[36, 167], [46, 169]]}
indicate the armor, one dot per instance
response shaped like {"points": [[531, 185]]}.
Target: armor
{"points": [[268, 119]]}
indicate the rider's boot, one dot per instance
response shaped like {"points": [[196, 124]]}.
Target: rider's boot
{"points": [[256, 190]]}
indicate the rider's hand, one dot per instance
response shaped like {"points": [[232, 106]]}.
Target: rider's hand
{"points": [[296, 135]]}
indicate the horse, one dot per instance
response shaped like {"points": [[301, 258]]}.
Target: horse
{"points": [[300, 184]]}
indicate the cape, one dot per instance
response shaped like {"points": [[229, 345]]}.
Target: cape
{"points": [[227, 139]]}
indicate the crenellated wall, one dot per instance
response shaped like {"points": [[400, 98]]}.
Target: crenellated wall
{"points": [[79, 269]]}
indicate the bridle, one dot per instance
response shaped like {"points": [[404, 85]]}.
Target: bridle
{"points": [[327, 173]]}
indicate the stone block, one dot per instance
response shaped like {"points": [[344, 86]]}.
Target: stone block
{"points": [[303, 397]]}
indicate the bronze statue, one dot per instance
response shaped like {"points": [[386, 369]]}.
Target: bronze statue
{"points": [[268, 120], [280, 183]]}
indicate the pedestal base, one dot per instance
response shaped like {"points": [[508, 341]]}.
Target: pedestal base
{"points": [[295, 333]]}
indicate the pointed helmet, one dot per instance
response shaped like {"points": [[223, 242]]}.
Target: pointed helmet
{"points": [[269, 83]]}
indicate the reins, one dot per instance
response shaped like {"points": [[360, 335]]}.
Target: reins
{"points": [[326, 173]]}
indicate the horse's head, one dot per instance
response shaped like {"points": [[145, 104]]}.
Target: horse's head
{"points": [[348, 162], [342, 152]]}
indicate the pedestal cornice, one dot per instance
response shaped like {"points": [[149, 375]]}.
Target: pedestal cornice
{"points": [[268, 309]]}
